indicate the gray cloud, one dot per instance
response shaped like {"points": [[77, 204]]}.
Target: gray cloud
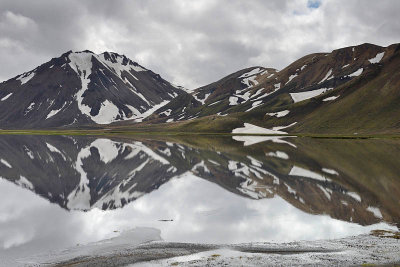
{"points": [[191, 43]]}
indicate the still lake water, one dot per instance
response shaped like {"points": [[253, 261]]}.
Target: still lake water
{"points": [[63, 191]]}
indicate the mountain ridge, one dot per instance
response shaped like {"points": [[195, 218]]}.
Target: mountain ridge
{"points": [[87, 88], [113, 91]]}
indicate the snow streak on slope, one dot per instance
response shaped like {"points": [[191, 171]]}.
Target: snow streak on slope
{"points": [[141, 117], [326, 76], [278, 154], [118, 67], [291, 78], [6, 163], [377, 58], [297, 97], [331, 98], [253, 129], [81, 63], [24, 78], [249, 78], [356, 73], [298, 171], [54, 112], [279, 114], [25, 183], [202, 101], [6, 97]]}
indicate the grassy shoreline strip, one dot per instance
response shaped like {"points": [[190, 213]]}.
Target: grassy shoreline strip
{"points": [[155, 133]]}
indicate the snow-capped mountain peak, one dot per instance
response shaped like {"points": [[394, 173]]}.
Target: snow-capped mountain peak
{"points": [[83, 88]]}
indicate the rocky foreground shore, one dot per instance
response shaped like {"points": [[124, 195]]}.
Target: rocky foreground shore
{"points": [[144, 247]]}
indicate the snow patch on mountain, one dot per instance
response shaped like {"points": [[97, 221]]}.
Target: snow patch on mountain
{"points": [[118, 67], [201, 165], [251, 140], [212, 104], [6, 97], [108, 113], [107, 149], [330, 171], [253, 129], [377, 213], [377, 58], [297, 97], [277, 128], [233, 100], [250, 81], [4, 162], [326, 76], [81, 63], [331, 98], [259, 91], [137, 147], [276, 87], [253, 72], [249, 78], [245, 96], [54, 112], [167, 112], [279, 114], [25, 183], [354, 195], [255, 105], [135, 112], [327, 192], [201, 100], [118, 197], [29, 108], [54, 150], [278, 154], [298, 171], [356, 73], [24, 78], [151, 111], [291, 77]]}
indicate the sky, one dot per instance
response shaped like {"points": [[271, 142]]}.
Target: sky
{"points": [[190, 42]]}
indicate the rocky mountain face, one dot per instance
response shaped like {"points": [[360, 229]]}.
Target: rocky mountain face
{"points": [[82, 88], [81, 173]]}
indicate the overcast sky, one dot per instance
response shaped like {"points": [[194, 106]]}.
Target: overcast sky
{"points": [[190, 42]]}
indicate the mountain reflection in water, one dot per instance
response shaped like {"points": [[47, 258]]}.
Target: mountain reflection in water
{"points": [[195, 189]]}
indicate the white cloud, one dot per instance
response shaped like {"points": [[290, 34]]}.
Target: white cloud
{"points": [[192, 43]]}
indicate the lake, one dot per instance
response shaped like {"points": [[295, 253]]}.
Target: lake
{"points": [[64, 191]]}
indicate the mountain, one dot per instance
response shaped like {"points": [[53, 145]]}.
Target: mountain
{"points": [[351, 90], [82, 88], [221, 97]]}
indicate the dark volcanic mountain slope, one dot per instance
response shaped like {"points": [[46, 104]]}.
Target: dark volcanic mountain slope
{"points": [[82, 88]]}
